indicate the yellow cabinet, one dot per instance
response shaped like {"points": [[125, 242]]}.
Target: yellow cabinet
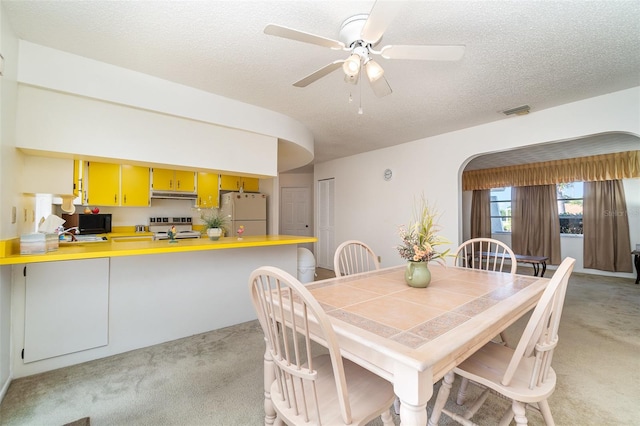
{"points": [[173, 180], [135, 185], [208, 193], [116, 185], [77, 177], [234, 183], [251, 184], [103, 187]]}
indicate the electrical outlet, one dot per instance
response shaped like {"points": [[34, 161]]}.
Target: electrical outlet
{"points": [[25, 214], [379, 259], [14, 214]]}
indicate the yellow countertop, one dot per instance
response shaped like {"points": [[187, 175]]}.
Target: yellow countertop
{"points": [[124, 245]]}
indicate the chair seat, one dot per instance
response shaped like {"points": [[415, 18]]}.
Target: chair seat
{"points": [[360, 382], [487, 367]]}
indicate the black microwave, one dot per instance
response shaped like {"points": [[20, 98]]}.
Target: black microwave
{"points": [[94, 223]]}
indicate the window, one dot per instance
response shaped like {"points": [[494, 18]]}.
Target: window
{"points": [[570, 199], [500, 205]]}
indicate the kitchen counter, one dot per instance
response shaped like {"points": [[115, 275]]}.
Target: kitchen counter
{"points": [[91, 300], [127, 244]]}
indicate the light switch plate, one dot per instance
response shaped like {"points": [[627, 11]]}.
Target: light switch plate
{"points": [[13, 214]]}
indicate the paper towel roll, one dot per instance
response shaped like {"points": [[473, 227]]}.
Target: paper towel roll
{"points": [[67, 204]]}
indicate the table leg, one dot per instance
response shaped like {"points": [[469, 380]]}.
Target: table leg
{"points": [[441, 399], [636, 260], [411, 415], [414, 389], [536, 268], [269, 378], [544, 268]]}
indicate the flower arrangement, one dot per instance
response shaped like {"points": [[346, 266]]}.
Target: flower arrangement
{"points": [[420, 238]]}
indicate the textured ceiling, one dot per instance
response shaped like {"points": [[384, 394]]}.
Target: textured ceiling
{"points": [[540, 53], [592, 145]]}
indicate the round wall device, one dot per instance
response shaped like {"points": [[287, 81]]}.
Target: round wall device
{"points": [[388, 174]]}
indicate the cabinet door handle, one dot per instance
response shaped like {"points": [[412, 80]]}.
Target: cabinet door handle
{"points": [[115, 198], [177, 184], [170, 183], [125, 199]]}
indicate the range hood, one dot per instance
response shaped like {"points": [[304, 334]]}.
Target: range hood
{"points": [[174, 195]]}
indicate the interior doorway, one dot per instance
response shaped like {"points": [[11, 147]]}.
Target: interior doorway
{"points": [[326, 225], [295, 213]]}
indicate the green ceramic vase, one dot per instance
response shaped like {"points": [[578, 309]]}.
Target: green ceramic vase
{"points": [[417, 274]]}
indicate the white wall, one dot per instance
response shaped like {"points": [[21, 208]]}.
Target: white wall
{"points": [[76, 76], [9, 165], [369, 208], [89, 128]]}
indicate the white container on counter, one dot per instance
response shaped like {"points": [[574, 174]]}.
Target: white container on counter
{"points": [[38, 243]]}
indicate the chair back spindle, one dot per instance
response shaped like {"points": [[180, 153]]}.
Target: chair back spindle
{"points": [[286, 312], [487, 254], [540, 337], [352, 257]]}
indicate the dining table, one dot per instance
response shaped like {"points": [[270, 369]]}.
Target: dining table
{"points": [[413, 336]]}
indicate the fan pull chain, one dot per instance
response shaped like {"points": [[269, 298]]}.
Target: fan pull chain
{"points": [[360, 112]]}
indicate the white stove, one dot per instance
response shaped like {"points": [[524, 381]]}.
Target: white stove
{"points": [[160, 227]]}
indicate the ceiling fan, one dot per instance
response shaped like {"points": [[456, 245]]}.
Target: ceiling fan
{"points": [[359, 35]]}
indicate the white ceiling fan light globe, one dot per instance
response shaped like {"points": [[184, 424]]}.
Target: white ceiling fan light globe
{"points": [[351, 66], [374, 70]]}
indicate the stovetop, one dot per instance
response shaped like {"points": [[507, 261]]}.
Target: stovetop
{"points": [[160, 226]]}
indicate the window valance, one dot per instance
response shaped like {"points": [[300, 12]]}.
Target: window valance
{"points": [[619, 165]]}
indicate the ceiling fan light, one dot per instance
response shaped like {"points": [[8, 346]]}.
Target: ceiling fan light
{"points": [[351, 66], [374, 70]]}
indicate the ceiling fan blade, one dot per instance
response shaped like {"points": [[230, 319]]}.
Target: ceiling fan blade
{"points": [[381, 15], [290, 33], [319, 74], [428, 53], [381, 87]]}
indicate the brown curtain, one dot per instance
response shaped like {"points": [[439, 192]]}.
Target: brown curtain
{"points": [[607, 244], [481, 214], [535, 223]]}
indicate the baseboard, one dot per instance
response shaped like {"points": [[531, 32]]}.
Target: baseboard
{"points": [[5, 388]]}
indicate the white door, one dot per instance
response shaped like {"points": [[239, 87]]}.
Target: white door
{"points": [[295, 213], [326, 234]]}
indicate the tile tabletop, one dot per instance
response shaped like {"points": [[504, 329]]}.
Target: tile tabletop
{"points": [[381, 303]]}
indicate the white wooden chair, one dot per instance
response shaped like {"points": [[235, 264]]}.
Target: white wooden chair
{"points": [[485, 253], [523, 374], [311, 386], [354, 256]]}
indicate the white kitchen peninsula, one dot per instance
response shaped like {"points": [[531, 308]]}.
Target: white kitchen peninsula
{"points": [[155, 298]]}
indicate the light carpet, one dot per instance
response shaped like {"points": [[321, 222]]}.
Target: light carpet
{"points": [[215, 378]]}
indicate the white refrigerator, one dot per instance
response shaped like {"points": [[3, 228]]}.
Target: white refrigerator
{"points": [[247, 209]]}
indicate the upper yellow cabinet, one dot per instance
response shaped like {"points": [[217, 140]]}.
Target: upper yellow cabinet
{"points": [[173, 180], [234, 183], [77, 177], [116, 185], [103, 184], [208, 193], [134, 185]]}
